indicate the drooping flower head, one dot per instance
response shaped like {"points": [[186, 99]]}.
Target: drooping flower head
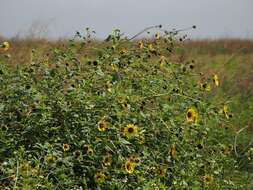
{"points": [[216, 80]]}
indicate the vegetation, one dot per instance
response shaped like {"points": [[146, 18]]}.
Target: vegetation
{"points": [[158, 113]]}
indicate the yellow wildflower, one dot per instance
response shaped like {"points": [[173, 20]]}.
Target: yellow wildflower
{"points": [[107, 160], [225, 111], [65, 147], [192, 115], [216, 80], [207, 179], [102, 125], [128, 166], [131, 130], [141, 44], [99, 177], [206, 86], [5, 46], [151, 48], [161, 171], [162, 61], [157, 35], [88, 150]]}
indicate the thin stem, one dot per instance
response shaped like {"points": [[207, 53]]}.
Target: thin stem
{"points": [[17, 173], [235, 142]]}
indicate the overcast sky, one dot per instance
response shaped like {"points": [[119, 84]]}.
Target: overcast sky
{"points": [[60, 18]]}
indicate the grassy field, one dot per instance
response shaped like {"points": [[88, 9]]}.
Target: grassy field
{"points": [[146, 114]]}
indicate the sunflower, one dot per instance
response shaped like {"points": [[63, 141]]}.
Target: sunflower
{"points": [[114, 67], [162, 61], [226, 112], [129, 166], [141, 44], [151, 48], [192, 115], [107, 160], [131, 130], [65, 147], [5, 46], [50, 159], [206, 86], [102, 125], [99, 177], [216, 80], [134, 159], [207, 179], [88, 150], [161, 171], [157, 35]]}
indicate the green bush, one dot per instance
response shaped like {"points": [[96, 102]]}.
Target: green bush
{"points": [[123, 117]]}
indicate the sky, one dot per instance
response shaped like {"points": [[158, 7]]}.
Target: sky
{"points": [[62, 18]]}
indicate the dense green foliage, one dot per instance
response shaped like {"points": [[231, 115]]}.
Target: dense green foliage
{"points": [[126, 118]]}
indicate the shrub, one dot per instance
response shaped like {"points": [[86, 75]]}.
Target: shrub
{"points": [[122, 117]]}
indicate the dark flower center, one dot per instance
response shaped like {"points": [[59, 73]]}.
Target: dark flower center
{"points": [[130, 130], [128, 166], [189, 114]]}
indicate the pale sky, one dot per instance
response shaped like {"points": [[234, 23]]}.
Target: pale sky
{"points": [[61, 18]]}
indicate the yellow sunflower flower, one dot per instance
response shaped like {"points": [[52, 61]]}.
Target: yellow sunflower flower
{"points": [[134, 159], [151, 48], [99, 177], [225, 111], [161, 171], [5, 46], [102, 125], [114, 67], [107, 160], [131, 131], [207, 179], [206, 86], [65, 147], [216, 80], [141, 44], [162, 61], [129, 166], [192, 115], [88, 150], [50, 159], [157, 35]]}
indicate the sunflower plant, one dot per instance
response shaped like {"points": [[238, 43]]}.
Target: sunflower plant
{"points": [[124, 116]]}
